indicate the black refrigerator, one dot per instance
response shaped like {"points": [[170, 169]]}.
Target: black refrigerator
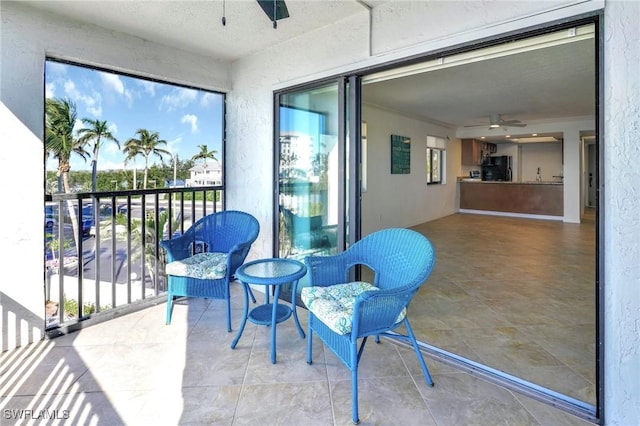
{"points": [[497, 168]]}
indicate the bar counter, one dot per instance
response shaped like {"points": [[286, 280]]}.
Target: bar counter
{"points": [[535, 198]]}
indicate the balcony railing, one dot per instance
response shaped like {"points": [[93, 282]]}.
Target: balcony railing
{"points": [[102, 250]]}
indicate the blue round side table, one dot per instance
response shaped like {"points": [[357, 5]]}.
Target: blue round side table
{"points": [[270, 272]]}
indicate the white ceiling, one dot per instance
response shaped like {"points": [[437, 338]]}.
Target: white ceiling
{"points": [[553, 83], [196, 26]]}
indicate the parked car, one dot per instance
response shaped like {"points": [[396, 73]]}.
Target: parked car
{"points": [[50, 217], [49, 222]]}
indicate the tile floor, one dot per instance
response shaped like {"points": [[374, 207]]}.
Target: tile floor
{"points": [[135, 370], [515, 294]]}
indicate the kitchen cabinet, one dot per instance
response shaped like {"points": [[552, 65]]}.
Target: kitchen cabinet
{"points": [[474, 151]]}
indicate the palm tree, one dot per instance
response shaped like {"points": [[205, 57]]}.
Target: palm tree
{"points": [[60, 118], [204, 154], [132, 151], [96, 132], [146, 144]]}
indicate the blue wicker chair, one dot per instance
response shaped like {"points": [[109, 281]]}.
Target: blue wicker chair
{"points": [[342, 312], [202, 261]]}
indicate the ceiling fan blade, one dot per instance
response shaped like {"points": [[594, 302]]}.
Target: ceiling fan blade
{"points": [[275, 9], [497, 121]]}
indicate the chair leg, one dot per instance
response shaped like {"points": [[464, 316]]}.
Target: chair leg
{"points": [[309, 342], [169, 308], [423, 365], [354, 383], [228, 314]]}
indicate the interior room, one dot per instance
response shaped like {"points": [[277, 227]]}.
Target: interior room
{"points": [[502, 276]]}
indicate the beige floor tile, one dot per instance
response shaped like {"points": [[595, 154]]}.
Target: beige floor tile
{"points": [[529, 318]]}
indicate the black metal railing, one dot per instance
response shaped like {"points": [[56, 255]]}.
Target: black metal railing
{"points": [[102, 250]]}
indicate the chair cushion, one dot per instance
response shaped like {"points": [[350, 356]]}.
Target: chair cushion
{"points": [[333, 305], [205, 266]]}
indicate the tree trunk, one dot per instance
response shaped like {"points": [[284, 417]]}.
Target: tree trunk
{"points": [[135, 177], [94, 175], [94, 166], [146, 170], [72, 215]]}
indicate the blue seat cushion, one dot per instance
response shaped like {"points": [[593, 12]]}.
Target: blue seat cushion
{"points": [[333, 305], [205, 266]]}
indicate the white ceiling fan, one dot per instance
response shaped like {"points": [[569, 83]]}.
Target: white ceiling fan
{"points": [[496, 121]]}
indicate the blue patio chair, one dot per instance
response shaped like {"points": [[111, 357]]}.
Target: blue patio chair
{"points": [[342, 312], [202, 261]]}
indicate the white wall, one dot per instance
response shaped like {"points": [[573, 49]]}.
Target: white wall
{"points": [[622, 213], [404, 200], [398, 31], [545, 156], [21, 235]]}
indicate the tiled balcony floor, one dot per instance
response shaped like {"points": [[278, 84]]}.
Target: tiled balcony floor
{"points": [[136, 370]]}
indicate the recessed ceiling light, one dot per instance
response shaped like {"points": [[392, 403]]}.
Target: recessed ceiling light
{"points": [[508, 136], [534, 134], [482, 137]]}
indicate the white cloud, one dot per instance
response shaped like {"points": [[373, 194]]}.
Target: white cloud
{"points": [[78, 125], [192, 120], [70, 88], [114, 83], [93, 104], [50, 90], [109, 147], [56, 69], [148, 86], [208, 99], [178, 98]]}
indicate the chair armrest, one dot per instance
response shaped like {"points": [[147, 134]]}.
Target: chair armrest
{"points": [[378, 311], [236, 256], [177, 248]]}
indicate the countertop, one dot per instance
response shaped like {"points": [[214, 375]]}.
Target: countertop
{"points": [[471, 180]]}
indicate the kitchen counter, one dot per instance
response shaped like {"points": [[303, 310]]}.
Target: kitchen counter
{"points": [[531, 198]]}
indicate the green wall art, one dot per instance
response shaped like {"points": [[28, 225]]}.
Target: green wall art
{"points": [[400, 154]]}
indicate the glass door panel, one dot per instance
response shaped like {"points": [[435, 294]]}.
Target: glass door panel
{"points": [[309, 179]]}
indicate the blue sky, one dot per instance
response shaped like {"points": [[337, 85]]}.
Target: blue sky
{"points": [[184, 117]]}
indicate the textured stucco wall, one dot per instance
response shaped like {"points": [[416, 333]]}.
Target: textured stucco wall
{"points": [[250, 111], [622, 210]]}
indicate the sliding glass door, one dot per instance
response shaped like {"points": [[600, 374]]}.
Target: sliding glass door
{"points": [[522, 316], [312, 159]]}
